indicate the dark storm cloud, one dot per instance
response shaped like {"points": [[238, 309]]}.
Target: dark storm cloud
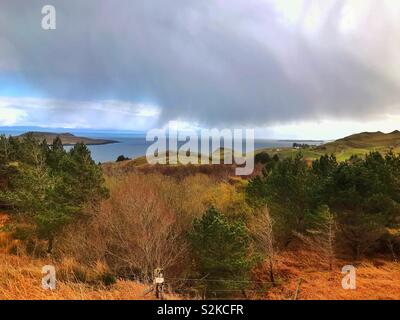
{"points": [[212, 62]]}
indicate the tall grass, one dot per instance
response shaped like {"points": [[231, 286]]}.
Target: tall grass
{"points": [[20, 279]]}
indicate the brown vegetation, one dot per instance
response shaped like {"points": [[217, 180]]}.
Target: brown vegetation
{"points": [[20, 279], [143, 224], [377, 279], [221, 172], [133, 232]]}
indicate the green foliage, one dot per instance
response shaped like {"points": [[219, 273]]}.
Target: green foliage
{"points": [[82, 180], [287, 191], [48, 186], [257, 191], [321, 236], [262, 157], [122, 158], [220, 249], [364, 195], [55, 154], [108, 279]]}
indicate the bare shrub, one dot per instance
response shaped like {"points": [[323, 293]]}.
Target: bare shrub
{"points": [[143, 225], [133, 232], [321, 239], [262, 231]]}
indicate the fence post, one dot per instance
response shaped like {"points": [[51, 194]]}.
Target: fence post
{"points": [[159, 283], [296, 295]]}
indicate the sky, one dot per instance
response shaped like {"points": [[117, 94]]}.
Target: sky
{"points": [[291, 69]]}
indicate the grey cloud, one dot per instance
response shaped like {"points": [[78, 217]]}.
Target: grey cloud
{"points": [[212, 62]]}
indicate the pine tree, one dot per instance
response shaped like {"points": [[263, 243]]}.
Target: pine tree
{"points": [[55, 154], [220, 249], [52, 188]]}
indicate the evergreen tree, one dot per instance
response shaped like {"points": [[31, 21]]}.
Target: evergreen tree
{"points": [[50, 187], [287, 190], [55, 154], [82, 179], [220, 250]]}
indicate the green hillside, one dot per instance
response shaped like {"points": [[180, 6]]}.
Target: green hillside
{"points": [[367, 140], [356, 144]]}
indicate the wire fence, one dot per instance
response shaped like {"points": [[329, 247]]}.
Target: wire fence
{"points": [[206, 288], [224, 280], [201, 286]]}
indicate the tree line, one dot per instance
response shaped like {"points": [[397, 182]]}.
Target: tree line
{"points": [[47, 187], [358, 198]]}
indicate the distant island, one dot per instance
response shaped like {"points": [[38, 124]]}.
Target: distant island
{"points": [[67, 139]]}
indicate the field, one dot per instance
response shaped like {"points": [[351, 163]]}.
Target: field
{"points": [[20, 278], [377, 279]]}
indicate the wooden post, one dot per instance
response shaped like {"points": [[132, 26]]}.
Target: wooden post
{"points": [[296, 294], [159, 283]]}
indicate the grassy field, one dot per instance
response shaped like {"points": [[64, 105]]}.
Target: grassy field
{"points": [[315, 153]]}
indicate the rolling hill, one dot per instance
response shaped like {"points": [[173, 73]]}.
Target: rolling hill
{"points": [[367, 140], [356, 144]]}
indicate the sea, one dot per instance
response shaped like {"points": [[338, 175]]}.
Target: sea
{"points": [[132, 144]]}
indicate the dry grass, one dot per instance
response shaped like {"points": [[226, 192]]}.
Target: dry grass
{"points": [[7, 243], [376, 280], [3, 219], [20, 279]]}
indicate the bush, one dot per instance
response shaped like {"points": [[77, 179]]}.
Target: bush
{"points": [[262, 158], [133, 232], [122, 158]]}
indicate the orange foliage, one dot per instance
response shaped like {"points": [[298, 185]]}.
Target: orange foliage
{"points": [[20, 279], [376, 280]]}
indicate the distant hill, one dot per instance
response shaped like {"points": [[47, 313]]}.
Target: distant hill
{"points": [[357, 144], [367, 140], [67, 139]]}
